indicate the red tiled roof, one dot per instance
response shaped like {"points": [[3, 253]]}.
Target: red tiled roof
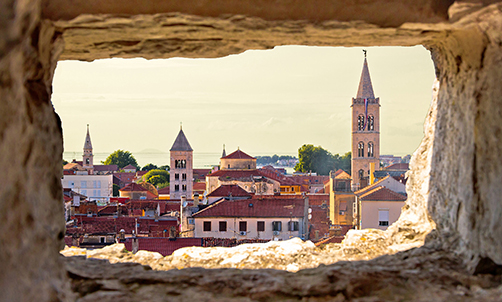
{"points": [[236, 173], [317, 199], [238, 155], [109, 225], [164, 246], [226, 190], [399, 166], [133, 187], [129, 167], [254, 208], [370, 187], [382, 194], [199, 186], [105, 167], [164, 191]]}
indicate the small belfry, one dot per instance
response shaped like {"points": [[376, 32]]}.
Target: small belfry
{"points": [[365, 131], [181, 174], [88, 157]]}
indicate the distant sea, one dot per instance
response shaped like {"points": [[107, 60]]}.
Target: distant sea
{"points": [[202, 160]]}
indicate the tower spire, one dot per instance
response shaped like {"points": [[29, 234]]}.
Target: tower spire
{"points": [[365, 90]]}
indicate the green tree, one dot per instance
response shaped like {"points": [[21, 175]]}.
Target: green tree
{"points": [[165, 168], [156, 177], [344, 162], [315, 159], [149, 167], [121, 158]]}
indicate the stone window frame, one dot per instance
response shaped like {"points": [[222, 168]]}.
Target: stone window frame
{"points": [[206, 226], [360, 149], [371, 147], [371, 123], [222, 226]]}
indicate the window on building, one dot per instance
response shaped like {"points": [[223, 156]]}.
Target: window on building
{"points": [[383, 217], [102, 239], [371, 123], [249, 166], [176, 188], [207, 226], [223, 226], [370, 149], [176, 176], [360, 122], [180, 163], [293, 226], [229, 166], [276, 226], [360, 149], [87, 161], [184, 188], [84, 192], [243, 226], [260, 226], [183, 176], [361, 173], [83, 184]]}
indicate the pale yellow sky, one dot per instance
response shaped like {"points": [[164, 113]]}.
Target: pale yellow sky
{"points": [[271, 101]]}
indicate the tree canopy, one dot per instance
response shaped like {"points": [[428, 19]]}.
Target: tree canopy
{"points": [[321, 161], [165, 168], [157, 177], [121, 158], [149, 167]]}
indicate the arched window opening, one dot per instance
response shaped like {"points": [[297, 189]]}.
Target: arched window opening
{"points": [[361, 174], [360, 122], [360, 149], [370, 149], [371, 123]]}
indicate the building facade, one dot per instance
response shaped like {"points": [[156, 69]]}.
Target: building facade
{"points": [[95, 187], [181, 174], [365, 131]]}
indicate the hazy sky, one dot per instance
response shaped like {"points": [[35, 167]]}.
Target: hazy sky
{"points": [[270, 101]]}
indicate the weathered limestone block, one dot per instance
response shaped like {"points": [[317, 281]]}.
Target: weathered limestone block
{"points": [[466, 170], [31, 211]]}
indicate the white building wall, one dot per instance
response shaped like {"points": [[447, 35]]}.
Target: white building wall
{"points": [[370, 209], [98, 187], [252, 232]]}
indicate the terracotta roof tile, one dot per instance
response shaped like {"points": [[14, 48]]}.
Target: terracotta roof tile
{"points": [[291, 207], [382, 194], [238, 155], [105, 167], [133, 187]]}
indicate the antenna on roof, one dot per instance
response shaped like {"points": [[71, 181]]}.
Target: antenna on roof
{"points": [[364, 51]]}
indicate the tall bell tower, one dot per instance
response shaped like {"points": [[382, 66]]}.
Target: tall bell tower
{"points": [[365, 130], [88, 157], [181, 174]]}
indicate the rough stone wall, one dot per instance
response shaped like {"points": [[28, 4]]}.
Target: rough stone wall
{"points": [[466, 170], [460, 196], [31, 208]]}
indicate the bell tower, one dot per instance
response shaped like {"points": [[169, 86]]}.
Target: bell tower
{"points": [[181, 174], [87, 158], [365, 130]]}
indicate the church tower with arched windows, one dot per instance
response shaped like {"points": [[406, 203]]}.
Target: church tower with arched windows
{"points": [[88, 157], [365, 130], [181, 174]]}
